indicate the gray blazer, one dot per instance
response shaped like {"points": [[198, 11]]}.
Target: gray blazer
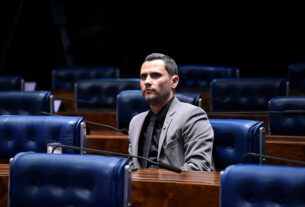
{"points": [[186, 140]]}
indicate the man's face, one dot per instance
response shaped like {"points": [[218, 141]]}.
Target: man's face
{"points": [[156, 85]]}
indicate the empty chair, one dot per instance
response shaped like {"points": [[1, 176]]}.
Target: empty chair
{"points": [[21, 133], [26, 102], [64, 180], [64, 78], [234, 138], [11, 83], [102, 93], [287, 115], [245, 94], [296, 77], [131, 103], [200, 76], [262, 185]]}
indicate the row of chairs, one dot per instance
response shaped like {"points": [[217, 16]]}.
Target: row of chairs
{"points": [[286, 113], [192, 76], [38, 179]]}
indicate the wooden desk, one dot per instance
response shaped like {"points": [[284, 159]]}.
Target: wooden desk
{"points": [[152, 187]]}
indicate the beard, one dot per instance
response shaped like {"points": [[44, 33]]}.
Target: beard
{"points": [[156, 97]]}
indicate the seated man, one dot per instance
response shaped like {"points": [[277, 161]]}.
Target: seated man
{"points": [[175, 133]]}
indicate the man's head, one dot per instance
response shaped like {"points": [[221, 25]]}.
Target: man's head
{"points": [[158, 79]]}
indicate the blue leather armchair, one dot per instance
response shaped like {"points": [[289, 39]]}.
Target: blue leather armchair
{"points": [[200, 76], [131, 103], [63, 180], [284, 118], [11, 83], [102, 93], [26, 102], [296, 76], [234, 138], [21, 133], [245, 94], [262, 185], [65, 78]]}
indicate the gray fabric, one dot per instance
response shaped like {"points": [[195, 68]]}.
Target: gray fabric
{"points": [[186, 140]]}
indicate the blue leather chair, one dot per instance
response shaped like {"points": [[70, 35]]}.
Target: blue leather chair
{"points": [[262, 185], [131, 103], [200, 76], [234, 138], [11, 83], [21, 133], [65, 77], [296, 76], [286, 115], [102, 93], [26, 102], [245, 94], [62, 180]]}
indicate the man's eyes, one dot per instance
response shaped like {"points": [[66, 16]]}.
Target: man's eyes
{"points": [[152, 75]]}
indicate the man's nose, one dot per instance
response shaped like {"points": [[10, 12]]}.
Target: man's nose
{"points": [[148, 80]]}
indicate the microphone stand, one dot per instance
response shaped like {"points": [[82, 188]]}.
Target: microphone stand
{"points": [[160, 164]]}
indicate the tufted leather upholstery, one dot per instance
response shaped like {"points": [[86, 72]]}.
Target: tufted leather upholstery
{"points": [[26, 102], [102, 93], [233, 138], [296, 76], [289, 123], [200, 76], [131, 103], [64, 180], [64, 78], [245, 94], [11, 83], [20, 133], [262, 185]]}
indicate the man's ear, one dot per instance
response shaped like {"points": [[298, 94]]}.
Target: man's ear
{"points": [[175, 81]]}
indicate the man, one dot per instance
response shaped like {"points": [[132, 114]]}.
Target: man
{"points": [[182, 135]]}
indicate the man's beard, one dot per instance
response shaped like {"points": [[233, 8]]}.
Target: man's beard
{"points": [[156, 97]]}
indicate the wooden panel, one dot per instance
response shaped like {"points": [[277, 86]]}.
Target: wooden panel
{"points": [[4, 170]]}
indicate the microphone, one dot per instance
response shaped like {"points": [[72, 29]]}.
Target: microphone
{"points": [[53, 146], [91, 122], [251, 154]]}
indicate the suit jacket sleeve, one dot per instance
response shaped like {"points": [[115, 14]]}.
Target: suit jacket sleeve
{"points": [[198, 139]]}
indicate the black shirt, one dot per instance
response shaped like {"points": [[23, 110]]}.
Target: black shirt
{"points": [[153, 153]]}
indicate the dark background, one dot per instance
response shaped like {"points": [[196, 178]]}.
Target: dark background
{"points": [[262, 40]]}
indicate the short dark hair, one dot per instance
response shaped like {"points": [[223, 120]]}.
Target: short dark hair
{"points": [[170, 64]]}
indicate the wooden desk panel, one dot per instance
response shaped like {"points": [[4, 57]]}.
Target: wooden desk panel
{"points": [[153, 187]]}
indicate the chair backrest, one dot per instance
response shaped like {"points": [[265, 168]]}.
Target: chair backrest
{"points": [[287, 116], [26, 102], [200, 76], [262, 185], [65, 77], [233, 138], [245, 94], [131, 103], [296, 75], [11, 83], [21, 133], [40, 179], [102, 93]]}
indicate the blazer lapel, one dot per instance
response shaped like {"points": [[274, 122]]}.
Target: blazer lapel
{"points": [[138, 133], [168, 119]]}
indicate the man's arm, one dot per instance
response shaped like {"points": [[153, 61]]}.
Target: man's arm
{"points": [[198, 138]]}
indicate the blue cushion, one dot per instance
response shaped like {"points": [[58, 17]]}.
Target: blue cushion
{"points": [[289, 123], [26, 102], [21, 133], [11, 83], [60, 180], [233, 138], [245, 94], [65, 77], [102, 93], [262, 185], [200, 76], [296, 76]]}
